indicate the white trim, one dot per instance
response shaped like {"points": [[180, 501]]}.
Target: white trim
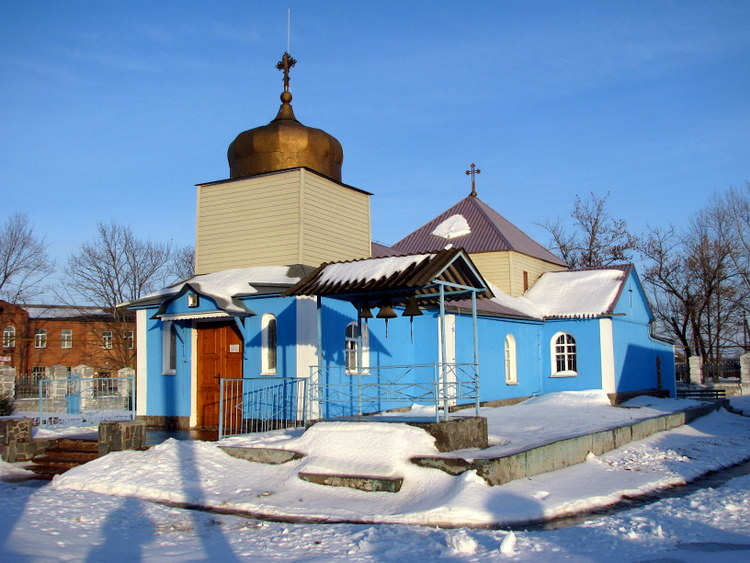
{"points": [[606, 341], [510, 364], [193, 376], [264, 348], [193, 316], [141, 387], [307, 337], [166, 349], [553, 356]]}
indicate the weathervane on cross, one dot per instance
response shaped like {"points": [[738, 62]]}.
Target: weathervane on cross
{"points": [[473, 172]]}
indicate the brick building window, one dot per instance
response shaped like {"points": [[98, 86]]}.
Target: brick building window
{"points": [[66, 338], [9, 337], [129, 338], [107, 339], [27, 386], [40, 338]]}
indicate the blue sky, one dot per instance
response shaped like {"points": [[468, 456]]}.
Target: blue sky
{"points": [[116, 110]]}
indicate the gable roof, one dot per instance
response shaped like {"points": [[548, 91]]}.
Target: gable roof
{"points": [[395, 278], [488, 232], [590, 292]]}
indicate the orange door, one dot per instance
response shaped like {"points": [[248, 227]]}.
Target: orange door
{"points": [[219, 357]]}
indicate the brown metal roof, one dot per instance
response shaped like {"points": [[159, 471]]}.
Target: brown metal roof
{"points": [[361, 281], [490, 232]]}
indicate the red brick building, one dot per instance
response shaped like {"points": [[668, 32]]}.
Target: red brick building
{"points": [[36, 337]]}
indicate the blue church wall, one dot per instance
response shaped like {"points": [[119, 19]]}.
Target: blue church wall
{"points": [[285, 311], [588, 355], [639, 357]]}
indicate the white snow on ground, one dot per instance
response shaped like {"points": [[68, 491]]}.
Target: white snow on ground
{"points": [[198, 473], [741, 404], [55, 524]]}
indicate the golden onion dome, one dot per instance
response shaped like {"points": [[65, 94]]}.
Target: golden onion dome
{"points": [[285, 143]]}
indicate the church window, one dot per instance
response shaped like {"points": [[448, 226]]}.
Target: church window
{"points": [[9, 337], [169, 349], [269, 345], [511, 375], [351, 344], [564, 361]]}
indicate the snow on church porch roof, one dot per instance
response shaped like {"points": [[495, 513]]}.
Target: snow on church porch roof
{"points": [[396, 277]]}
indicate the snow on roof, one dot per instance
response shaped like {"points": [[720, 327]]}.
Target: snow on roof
{"points": [[521, 305], [224, 285], [453, 227], [367, 270], [580, 293], [62, 311]]}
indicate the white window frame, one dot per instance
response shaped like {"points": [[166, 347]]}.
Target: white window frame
{"points": [[511, 369], [66, 338], [351, 340], [40, 338], [9, 337], [129, 337], [169, 349], [567, 350], [107, 339], [269, 333]]}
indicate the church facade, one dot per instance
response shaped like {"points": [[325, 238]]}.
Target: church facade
{"points": [[288, 282]]}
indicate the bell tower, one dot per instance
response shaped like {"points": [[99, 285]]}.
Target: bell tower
{"points": [[284, 202]]}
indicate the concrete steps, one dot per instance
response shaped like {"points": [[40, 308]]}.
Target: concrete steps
{"points": [[66, 454]]}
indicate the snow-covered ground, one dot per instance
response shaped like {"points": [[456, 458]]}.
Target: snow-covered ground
{"points": [[71, 519]]}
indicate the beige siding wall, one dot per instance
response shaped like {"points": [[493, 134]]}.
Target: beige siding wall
{"points": [[494, 267], [293, 217], [520, 263], [505, 269], [335, 222], [249, 222]]}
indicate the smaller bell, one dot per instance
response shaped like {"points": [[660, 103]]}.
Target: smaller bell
{"points": [[412, 309], [365, 312], [386, 311]]}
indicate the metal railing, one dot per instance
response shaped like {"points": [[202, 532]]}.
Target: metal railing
{"points": [[260, 404], [337, 392], [85, 401]]}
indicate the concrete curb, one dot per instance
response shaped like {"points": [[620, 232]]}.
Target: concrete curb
{"points": [[567, 452]]}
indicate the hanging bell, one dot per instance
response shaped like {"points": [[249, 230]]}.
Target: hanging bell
{"points": [[386, 311], [365, 312], [412, 309]]}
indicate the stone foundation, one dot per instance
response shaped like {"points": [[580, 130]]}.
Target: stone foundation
{"points": [[119, 436], [165, 422]]}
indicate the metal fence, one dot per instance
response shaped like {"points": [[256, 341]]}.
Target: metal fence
{"points": [[340, 393], [260, 404], [85, 401]]}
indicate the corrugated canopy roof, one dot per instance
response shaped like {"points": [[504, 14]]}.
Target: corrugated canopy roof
{"points": [[396, 278], [482, 230]]}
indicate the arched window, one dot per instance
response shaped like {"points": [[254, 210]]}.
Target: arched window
{"points": [[350, 347], [169, 348], [268, 343], [9, 337], [511, 376], [563, 355]]}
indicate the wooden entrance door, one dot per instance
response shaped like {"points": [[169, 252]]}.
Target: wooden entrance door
{"points": [[219, 357]]}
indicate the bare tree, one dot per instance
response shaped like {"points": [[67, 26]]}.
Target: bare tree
{"points": [[698, 277], [24, 263], [596, 239], [182, 265], [114, 268]]}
